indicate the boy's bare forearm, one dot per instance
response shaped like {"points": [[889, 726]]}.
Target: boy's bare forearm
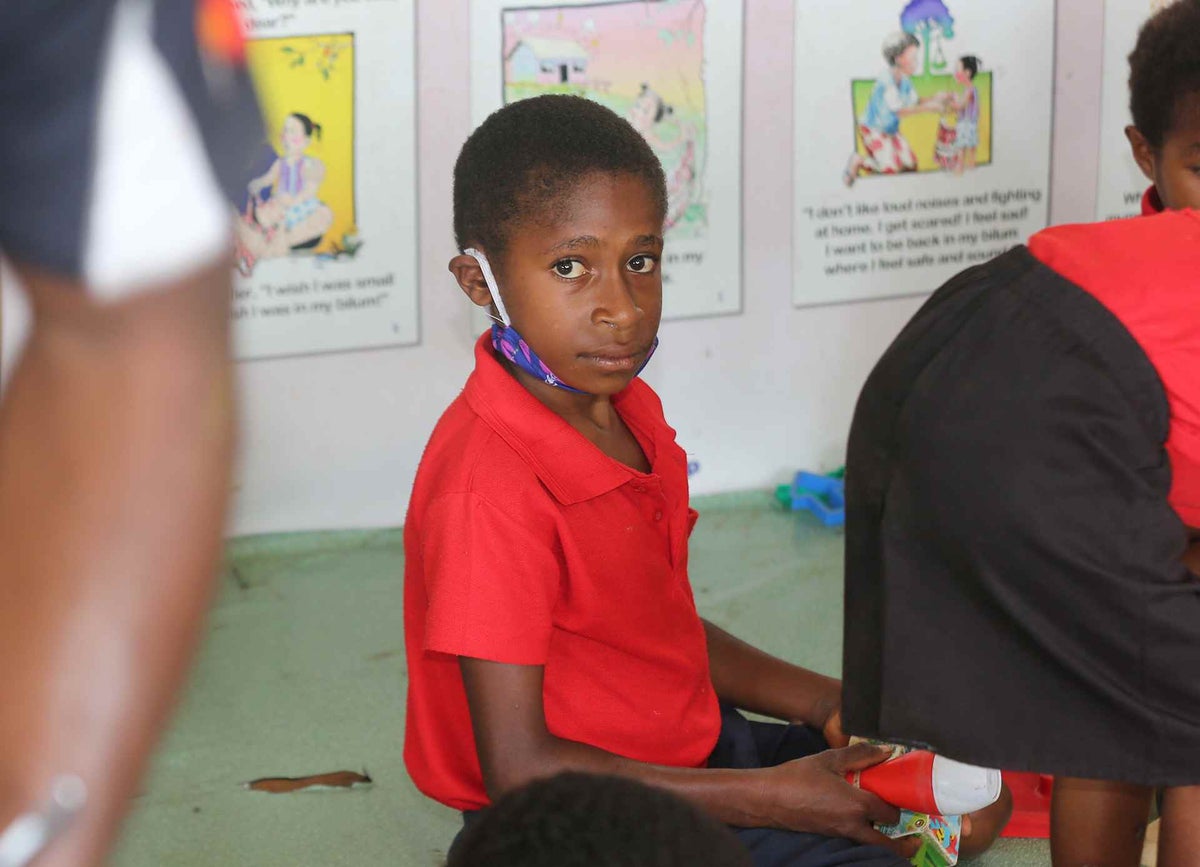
{"points": [[115, 447], [808, 794], [728, 795], [756, 681]]}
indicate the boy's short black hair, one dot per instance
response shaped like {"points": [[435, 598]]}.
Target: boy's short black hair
{"points": [[1164, 68], [529, 153], [586, 820], [971, 64]]}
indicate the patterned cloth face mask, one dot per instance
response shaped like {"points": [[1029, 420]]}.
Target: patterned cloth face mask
{"points": [[512, 346]]}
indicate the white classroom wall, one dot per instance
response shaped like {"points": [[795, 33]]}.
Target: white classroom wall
{"points": [[333, 441]]}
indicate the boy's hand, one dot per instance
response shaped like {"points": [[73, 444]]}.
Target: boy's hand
{"points": [[811, 794]]}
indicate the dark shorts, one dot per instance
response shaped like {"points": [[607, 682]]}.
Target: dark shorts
{"points": [[1014, 591], [114, 99], [749, 744]]}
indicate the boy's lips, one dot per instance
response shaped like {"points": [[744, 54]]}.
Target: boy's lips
{"points": [[616, 358]]}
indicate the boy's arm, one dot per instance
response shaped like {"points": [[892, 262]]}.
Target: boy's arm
{"points": [[755, 681], [808, 794]]}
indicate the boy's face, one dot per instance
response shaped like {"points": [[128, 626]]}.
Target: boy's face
{"points": [[907, 61], [585, 290], [1175, 167]]}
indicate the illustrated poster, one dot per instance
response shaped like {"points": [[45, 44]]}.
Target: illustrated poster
{"points": [[673, 68], [1121, 183], [326, 232], [922, 140]]}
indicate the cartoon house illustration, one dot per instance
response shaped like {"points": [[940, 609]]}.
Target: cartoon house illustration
{"points": [[547, 61]]}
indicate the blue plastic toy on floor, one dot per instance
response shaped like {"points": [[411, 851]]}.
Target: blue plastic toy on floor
{"points": [[824, 496]]}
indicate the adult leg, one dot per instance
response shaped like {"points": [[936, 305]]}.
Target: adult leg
{"points": [[1094, 823], [1179, 839], [115, 445]]}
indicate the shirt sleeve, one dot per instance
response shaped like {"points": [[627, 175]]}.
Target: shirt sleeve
{"points": [[492, 583], [893, 98], [118, 161]]}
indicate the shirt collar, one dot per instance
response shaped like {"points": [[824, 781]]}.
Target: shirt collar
{"points": [[1151, 202], [572, 468]]}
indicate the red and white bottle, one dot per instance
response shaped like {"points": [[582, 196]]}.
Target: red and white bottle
{"points": [[926, 783]]}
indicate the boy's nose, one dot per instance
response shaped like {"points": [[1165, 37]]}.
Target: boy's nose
{"points": [[618, 307]]}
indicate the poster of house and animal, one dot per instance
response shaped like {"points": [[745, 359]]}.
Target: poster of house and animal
{"points": [[673, 69]]}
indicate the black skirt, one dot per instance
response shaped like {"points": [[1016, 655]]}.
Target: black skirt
{"points": [[1014, 591]]}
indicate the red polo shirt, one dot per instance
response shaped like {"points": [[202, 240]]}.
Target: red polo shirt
{"points": [[526, 544], [1146, 271]]}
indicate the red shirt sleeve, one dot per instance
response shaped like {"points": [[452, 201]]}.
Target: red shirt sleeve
{"points": [[492, 585]]}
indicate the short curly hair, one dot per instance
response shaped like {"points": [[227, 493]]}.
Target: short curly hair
{"points": [[585, 820], [1164, 69], [897, 43], [525, 157]]}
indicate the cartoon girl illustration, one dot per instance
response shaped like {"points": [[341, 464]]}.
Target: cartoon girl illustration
{"points": [[966, 106], [284, 214], [647, 114]]}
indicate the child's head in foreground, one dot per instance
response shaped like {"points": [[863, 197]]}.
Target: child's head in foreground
{"points": [[1164, 85], [566, 202], [582, 820]]}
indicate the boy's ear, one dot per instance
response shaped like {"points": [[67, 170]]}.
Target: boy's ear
{"points": [[470, 279], [1143, 151]]}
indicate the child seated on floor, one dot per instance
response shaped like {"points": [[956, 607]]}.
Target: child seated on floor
{"points": [[550, 624], [1023, 503]]}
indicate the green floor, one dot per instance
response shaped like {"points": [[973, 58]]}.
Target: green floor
{"points": [[303, 672]]}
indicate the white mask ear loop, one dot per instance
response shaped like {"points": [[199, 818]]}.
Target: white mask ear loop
{"points": [[490, 279]]}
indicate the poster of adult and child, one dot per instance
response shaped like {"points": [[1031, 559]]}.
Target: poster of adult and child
{"points": [[922, 140]]}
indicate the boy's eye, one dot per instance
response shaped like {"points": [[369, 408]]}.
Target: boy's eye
{"points": [[569, 268], [642, 264]]}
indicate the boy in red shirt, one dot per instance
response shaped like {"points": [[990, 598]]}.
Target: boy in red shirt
{"points": [[1023, 488], [1164, 86], [550, 624]]}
